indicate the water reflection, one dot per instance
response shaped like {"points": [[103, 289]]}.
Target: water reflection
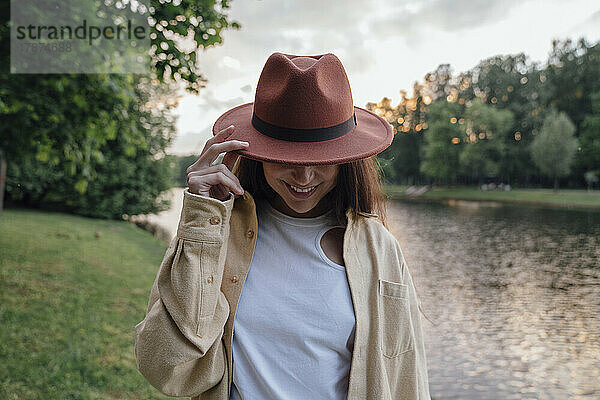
{"points": [[515, 292]]}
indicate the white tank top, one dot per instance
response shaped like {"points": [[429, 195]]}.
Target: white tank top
{"points": [[294, 325]]}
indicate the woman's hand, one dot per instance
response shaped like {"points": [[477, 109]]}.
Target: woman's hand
{"points": [[216, 180]]}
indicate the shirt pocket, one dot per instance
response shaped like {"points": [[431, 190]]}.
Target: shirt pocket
{"points": [[394, 318]]}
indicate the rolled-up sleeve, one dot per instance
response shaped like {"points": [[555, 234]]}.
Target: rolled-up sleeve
{"points": [[179, 347]]}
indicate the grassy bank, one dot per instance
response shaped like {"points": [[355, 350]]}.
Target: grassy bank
{"points": [[543, 197], [71, 291]]}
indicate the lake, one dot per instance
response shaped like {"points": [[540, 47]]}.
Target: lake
{"points": [[515, 295]]}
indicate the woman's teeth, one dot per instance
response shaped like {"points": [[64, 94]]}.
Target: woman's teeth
{"points": [[302, 190]]}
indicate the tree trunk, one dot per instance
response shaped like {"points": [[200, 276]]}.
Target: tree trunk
{"points": [[556, 183]]}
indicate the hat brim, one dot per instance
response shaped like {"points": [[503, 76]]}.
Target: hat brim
{"points": [[371, 135]]}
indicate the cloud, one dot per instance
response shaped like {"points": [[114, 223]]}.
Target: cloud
{"points": [[346, 28], [592, 22], [412, 20], [210, 102], [231, 62], [307, 14], [595, 17], [305, 27]]}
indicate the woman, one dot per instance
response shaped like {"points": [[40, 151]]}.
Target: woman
{"points": [[282, 281]]}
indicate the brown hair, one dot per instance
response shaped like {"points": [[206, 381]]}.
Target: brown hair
{"points": [[358, 186]]}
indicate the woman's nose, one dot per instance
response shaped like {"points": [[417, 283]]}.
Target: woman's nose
{"points": [[303, 174]]}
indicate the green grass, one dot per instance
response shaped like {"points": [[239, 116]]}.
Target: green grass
{"points": [[69, 303], [545, 197]]}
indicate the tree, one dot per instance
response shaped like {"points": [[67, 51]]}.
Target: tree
{"points": [[528, 90], [439, 83], [60, 128], [553, 150], [127, 176], [573, 73], [485, 131], [512, 82], [181, 166], [172, 21], [591, 177], [589, 137], [400, 161], [441, 150]]}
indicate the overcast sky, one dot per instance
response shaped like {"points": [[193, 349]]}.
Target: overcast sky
{"points": [[385, 46]]}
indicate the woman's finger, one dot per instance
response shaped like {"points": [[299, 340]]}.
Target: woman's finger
{"points": [[203, 183], [218, 168], [219, 192], [211, 154], [214, 150], [219, 137]]}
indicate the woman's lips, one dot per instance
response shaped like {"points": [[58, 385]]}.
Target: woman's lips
{"points": [[300, 195]]}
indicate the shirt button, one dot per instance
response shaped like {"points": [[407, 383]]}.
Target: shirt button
{"points": [[250, 234], [234, 279], [215, 220], [209, 279]]}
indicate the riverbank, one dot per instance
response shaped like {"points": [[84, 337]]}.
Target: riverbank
{"points": [[72, 290], [565, 198], [164, 224]]}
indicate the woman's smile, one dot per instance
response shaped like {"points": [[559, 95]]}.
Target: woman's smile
{"points": [[300, 192], [301, 188]]}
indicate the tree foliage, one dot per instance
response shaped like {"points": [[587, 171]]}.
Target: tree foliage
{"points": [[486, 131], [403, 157], [125, 178], [441, 147], [527, 90], [200, 20], [553, 150], [589, 137], [95, 143], [182, 164]]}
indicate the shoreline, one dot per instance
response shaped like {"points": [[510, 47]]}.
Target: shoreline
{"points": [[469, 195], [164, 224]]}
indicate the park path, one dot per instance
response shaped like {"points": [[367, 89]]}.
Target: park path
{"points": [[164, 224]]}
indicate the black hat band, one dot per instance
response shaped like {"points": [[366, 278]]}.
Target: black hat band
{"points": [[304, 135]]}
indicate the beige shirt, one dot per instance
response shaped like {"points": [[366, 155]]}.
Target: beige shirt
{"points": [[183, 345]]}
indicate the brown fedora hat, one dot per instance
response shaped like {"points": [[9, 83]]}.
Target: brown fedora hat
{"points": [[303, 114]]}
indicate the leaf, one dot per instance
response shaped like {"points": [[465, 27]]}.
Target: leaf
{"points": [[42, 155], [81, 186], [130, 150]]}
